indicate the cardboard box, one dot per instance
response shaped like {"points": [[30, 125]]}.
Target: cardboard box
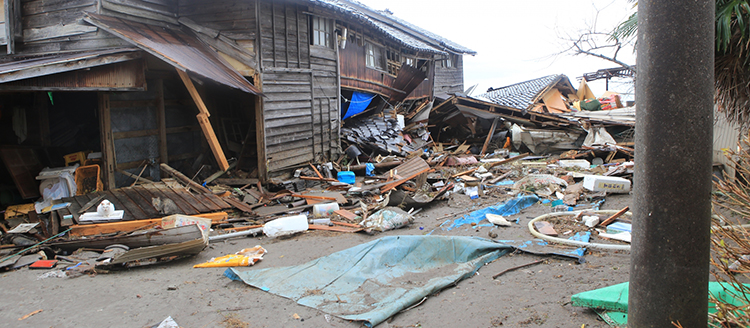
{"points": [[608, 184]]}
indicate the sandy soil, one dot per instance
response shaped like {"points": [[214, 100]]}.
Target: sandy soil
{"points": [[537, 296]]}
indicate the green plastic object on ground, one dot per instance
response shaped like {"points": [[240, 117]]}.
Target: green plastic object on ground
{"points": [[611, 303]]}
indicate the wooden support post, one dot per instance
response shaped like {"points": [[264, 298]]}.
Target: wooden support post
{"points": [[161, 119], [107, 142], [208, 130], [489, 135]]}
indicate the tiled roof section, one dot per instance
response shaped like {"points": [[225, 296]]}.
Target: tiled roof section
{"points": [[450, 45], [399, 35], [520, 95]]}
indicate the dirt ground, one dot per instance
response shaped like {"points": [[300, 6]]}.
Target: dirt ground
{"points": [[536, 296]]}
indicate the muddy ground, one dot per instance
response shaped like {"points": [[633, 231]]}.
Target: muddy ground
{"points": [[537, 296]]}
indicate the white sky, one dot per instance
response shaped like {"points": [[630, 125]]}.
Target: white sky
{"points": [[516, 41]]}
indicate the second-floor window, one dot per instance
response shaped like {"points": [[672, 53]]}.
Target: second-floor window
{"points": [[374, 56], [321, 32]]}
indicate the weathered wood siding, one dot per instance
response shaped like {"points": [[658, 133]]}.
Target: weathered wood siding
{"points": [[233, 18], [288, 118], [449, 80], [230, 26], [284, 35], [356, 75], [301, 111], [325, 102], [57, 26], [145, 11]]}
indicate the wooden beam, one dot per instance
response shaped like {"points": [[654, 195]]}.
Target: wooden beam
{"points": [[161, 119], [260, 129], [107, 142], [489, 135], [183, 179], [208, 130]]}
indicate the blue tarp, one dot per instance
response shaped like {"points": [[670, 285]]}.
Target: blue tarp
{"points": [[373, 281], [511, 207], [358, 104]]}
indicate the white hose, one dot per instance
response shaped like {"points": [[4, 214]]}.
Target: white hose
{"points": [[575, 242]]}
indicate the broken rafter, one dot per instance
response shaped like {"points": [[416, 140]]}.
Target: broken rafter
{"points": [[208, 130]]}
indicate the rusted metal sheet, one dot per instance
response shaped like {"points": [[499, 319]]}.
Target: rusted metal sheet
{"points": [[47, 65], [180, 49], [121, 76]]}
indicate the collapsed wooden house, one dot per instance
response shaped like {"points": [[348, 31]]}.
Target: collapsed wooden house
{"points": [[189, 82]]}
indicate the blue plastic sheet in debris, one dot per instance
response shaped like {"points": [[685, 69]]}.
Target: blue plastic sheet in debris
{"points": [[510, 207], [358, 104], [370, 169], [584, 236], [373, 281]]}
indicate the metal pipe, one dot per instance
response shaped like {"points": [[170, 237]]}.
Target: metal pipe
{"points": [[236, 234], [672, 213]]}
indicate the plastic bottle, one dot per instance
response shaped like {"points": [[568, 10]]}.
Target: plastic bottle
{"points": [[323, 210], [286, 226], [320, 221]]}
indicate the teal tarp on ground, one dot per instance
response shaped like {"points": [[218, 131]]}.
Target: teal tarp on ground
{"points": [[373, 281]]}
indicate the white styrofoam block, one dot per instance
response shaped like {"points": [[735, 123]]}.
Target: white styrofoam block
{"points": [[608, 184]]}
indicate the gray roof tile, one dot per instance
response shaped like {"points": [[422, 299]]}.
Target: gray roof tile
{"points": [[520, 95], [397, 33]]}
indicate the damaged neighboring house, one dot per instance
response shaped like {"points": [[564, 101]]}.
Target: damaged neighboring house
{"points": [[526, 112], [255, 84]]}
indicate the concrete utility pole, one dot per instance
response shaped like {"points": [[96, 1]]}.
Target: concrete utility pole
{"points": [[672, 217]]}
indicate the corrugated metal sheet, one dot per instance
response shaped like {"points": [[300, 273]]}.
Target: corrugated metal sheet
{"points": [[181, 50], [47, 65], [124, 76], [726, 136]]}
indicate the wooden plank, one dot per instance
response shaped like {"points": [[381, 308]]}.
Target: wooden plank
{"points": [[88, 202], [239, 205], [205, 124], [107, 143], [206, 201], [218, 201], [56, 31], [168, 193], [188, 198], [144, 204], [146, 194], [489, 135], [112, 227], [129, 204]]}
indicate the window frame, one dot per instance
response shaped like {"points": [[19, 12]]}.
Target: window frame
{"points": [[321, 28], [372, 59]]}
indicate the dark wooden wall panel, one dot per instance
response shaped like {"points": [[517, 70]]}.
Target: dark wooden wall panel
{"points": [[288, 121]]}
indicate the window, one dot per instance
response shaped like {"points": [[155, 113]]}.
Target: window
{"points": [[450, 62], [321, 32], [394, 61], [374, 56]]}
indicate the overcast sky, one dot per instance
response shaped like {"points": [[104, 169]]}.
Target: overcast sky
{"points": [[516, 40]]}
